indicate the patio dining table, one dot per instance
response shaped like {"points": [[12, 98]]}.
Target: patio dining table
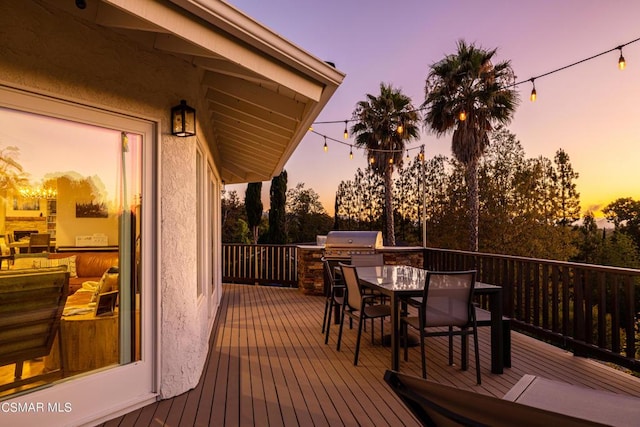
{"points": [[402, 281]]}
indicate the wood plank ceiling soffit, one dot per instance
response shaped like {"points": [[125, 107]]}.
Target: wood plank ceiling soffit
{"points": [[259, 104]]}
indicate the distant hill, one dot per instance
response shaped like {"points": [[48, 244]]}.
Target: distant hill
{"points": [[600, 222]]}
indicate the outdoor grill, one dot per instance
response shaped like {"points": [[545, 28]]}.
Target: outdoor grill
{"points": [[340, 245]]}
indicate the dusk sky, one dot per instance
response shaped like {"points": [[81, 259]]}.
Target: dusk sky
{"points": [[590, 110]]}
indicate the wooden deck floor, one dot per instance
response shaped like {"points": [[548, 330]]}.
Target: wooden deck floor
{"points": [[268, 365]]}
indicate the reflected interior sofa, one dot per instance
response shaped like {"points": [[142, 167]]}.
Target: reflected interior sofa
{"points": [[82, 266]]}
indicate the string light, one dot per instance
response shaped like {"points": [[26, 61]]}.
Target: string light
{"points": [[581, 61], [534, 94], [38, 193], [370, 150], [622, 64], [462, 116]]}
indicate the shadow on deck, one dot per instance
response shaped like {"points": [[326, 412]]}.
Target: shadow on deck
{"points": [[268, 365]]}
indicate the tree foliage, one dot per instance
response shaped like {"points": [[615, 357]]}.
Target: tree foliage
{"points": [[306, 217], [235, 228], [625, 215], [277, 233], [568, 197], [360, 201], [253, 207], [518, 198]]}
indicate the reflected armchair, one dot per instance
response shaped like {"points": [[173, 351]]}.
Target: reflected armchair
{"points": [[31, 305], [39, 242]]}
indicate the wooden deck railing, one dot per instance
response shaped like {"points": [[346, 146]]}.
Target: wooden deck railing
{"points": [[592, 310], [260, 264]]}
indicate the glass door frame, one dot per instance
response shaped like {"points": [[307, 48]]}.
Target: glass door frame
{"points": [[85, 398]]}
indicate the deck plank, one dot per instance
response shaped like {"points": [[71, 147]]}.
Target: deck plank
{"points": [[268, 365]]}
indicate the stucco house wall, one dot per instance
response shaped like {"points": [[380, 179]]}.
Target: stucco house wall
{"points": [[48, 52]]}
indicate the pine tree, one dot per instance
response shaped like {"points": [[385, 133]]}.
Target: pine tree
{"points": [[253, 206], [277, 220], [567, 195]]}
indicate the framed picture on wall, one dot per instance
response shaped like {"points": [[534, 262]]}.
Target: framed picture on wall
{"points": [[91, 210], [18, 206], [25, 204]]}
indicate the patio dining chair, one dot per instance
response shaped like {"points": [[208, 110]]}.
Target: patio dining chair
{"points": [[359, 306], [369, 260], [447, 302], [334, 291]]}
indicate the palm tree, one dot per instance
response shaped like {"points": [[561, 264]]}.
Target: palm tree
{"points": [[384, 125], [467, 94]]}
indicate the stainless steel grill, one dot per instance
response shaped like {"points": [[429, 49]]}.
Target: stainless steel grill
{"points": [[343, 244]]}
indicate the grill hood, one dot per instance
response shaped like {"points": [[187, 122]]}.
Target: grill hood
{"points": [[354, 239]]}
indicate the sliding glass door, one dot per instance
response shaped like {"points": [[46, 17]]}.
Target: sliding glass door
{"points": [[85, 178]]}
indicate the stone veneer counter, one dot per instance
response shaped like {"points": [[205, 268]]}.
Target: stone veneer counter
{"points": [[310, 274]]}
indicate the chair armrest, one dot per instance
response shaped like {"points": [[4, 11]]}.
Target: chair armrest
{"points": [[372, 297], [413, 302]]}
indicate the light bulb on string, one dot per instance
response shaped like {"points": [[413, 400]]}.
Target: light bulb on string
{"points": [[462, 116], [326, 147], [346, 132], [622, 64], [372, 159], [350, 152], [400, 128], [534, 94]]}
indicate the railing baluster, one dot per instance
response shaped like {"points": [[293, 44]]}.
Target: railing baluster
{"points": [[535, 271], [630, 312], [555, 302], [545, 297], [602, 310], [589, 330], [260, 264]]}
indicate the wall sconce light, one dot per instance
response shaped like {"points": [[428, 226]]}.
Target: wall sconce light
{"points": [[183, 120]]}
